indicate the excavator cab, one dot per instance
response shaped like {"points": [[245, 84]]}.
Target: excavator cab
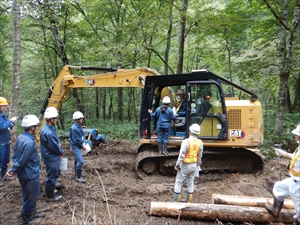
{"points": [[231, 126], [205, 105]]}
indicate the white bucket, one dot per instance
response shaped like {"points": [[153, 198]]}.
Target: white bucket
{"points": [[87, 149], [63, 164]]}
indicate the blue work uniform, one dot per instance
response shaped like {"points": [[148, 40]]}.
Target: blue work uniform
{"points": [[51, 153], [182, 109], [77, 138], [163, 123], [26, 163], [5, 126]]}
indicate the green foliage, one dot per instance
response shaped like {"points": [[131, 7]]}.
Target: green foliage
{"points": [[121, 131], [287, 139], [112, 130]]}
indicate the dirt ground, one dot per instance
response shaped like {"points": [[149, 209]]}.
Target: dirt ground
{"points": [[116, 195]]}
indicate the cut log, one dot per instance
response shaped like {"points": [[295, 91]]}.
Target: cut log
{"points": [[221, 212], [247, 201]]}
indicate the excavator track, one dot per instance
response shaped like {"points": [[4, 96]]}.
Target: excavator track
{"points": [[214, 159]]}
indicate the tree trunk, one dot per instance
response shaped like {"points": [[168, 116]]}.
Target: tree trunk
{"points": [[247, 201], [219, 212], [285, 59], [14, 107], [169, 38], [181, 40], [120, 104], [296, 104]]}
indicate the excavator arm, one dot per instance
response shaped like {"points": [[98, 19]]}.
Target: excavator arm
{"points": [[110, 77]]}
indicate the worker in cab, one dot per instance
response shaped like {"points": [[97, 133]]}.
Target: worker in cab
{"points": [[5, 126], [188, 163], [289, 187], [51, 153], [77, 142], [26, 164], [164, 115], [181, 108]]}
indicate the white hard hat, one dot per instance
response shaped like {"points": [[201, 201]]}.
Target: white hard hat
{"points": [[166, 100], [195, 128], [77, 115], [297, 130], [30, 120], [50, 112]]}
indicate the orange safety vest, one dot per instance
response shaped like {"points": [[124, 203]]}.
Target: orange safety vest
{"points": [[293, 160], [193, 151]]}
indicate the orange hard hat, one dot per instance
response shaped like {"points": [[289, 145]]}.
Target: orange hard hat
{"points": [[3, 101], [207, 96]]}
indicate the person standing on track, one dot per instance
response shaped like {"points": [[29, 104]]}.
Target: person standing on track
{"points": [[189, 159], [164, 115], [289, 187]]}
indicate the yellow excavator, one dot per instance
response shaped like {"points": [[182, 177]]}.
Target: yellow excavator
{"points": [[230, 116]]}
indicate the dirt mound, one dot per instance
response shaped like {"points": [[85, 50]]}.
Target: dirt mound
{"points": [[114, 194]]}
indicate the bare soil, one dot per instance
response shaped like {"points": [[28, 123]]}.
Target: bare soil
{"points": [[114, 194]]}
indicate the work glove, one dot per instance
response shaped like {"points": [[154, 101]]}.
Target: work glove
{"points": [[14, 120], [279, 152]]}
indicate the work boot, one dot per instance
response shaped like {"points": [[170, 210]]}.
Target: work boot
{"points": [[160, 148], [176, 197], [297, 222], [276, 208], [165, 148], [189, 197], [50, 195], [79, 177], [39, 214], [28, 219]]}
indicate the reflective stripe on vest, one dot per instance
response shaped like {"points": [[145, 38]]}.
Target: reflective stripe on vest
{"points": [[193, 151], [293, 160]]}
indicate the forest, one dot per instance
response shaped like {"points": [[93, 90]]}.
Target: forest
{"points": [[253, 43]]}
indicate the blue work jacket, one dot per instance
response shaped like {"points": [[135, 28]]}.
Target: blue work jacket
{"points": [[163, 118], [76, 136], [5, 124], [50, 144], [26, 160]]}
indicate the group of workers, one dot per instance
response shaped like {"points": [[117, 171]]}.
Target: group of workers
{"points": [[26, 160]]}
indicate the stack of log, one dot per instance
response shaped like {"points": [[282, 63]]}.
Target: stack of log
{"points": [[225, 208]]}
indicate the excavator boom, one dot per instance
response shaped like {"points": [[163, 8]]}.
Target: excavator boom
{"points": [[229, 115]]}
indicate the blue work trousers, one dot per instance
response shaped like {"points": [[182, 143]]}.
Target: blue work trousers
{"points": [[4, 156], [30, 194], [163, 135], [78, 158], [53, 172]]}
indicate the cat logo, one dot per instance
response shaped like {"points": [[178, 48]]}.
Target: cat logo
{"points": [[239, 134], [90, 82]]}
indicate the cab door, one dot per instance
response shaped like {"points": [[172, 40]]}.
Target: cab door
{"points": [[206, 107]]}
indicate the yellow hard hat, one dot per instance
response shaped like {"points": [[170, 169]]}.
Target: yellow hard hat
{"points": [[3, 101]]}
